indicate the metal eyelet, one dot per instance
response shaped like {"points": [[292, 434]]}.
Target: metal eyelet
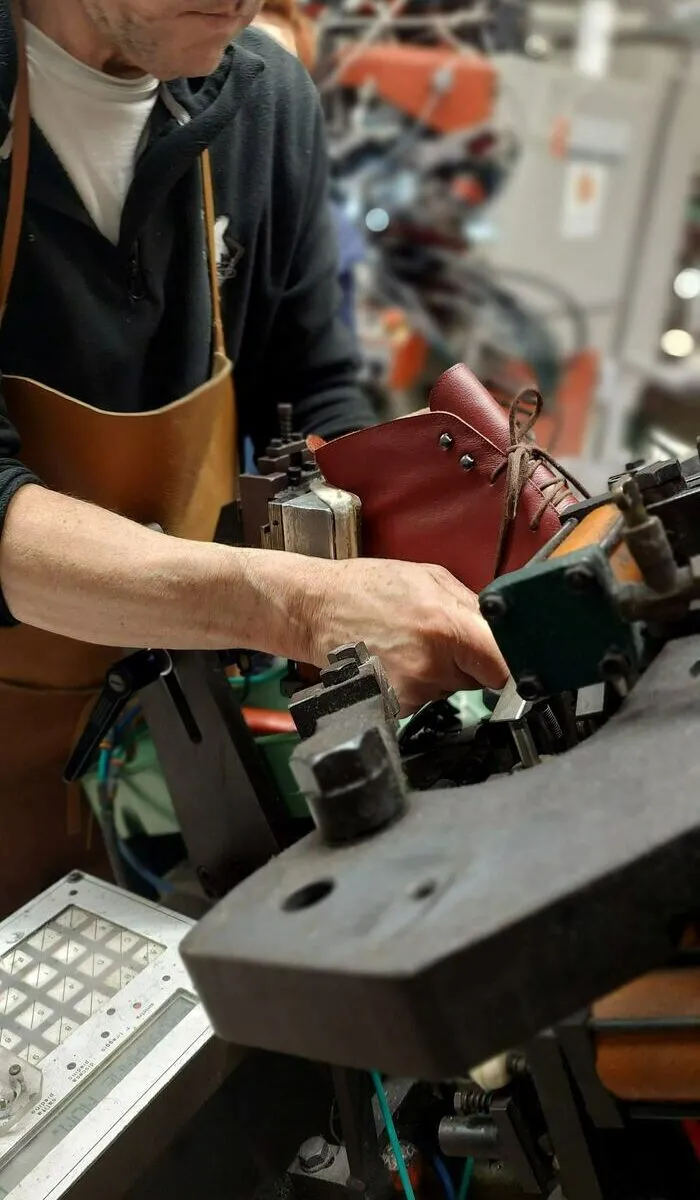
{"points": [[467, 463]]}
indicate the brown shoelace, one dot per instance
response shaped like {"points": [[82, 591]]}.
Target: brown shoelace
{"points": [[522, 459]]}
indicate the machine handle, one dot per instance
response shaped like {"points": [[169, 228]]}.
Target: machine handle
{"points": [[122, 682]]}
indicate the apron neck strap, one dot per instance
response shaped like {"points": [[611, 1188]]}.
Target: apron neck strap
{"points": [[210, 226], [19, 168]]}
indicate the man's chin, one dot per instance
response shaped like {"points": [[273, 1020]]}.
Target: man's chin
{"points": [[195, 64]]}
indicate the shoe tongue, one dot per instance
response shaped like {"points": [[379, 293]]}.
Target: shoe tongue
{"points": [[458, 391]]}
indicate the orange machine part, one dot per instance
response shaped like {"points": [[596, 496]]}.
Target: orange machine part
{"points": [[590, 531], [564, 433], [409, 350], [594, 529], [652, 1066], [405, 76], [263, 721]]}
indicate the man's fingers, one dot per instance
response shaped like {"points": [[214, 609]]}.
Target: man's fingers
{"points": [[478, 657]]}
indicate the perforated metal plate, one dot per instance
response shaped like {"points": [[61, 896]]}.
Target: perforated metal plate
{"points": [[93, 995]]}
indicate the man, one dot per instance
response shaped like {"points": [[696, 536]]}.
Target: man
{"points": [[110, 322]]}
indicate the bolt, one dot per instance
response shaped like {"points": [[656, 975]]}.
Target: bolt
{"points": [[446, 441], [75, 877], [529, 686], [492, 607], [339, 672], [467, 462], [316, 1155], [284, 416], [629, 500], [15, 1070], [356, 760], [579, 579]]}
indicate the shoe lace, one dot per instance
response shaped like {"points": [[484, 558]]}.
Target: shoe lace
{"points": [[522, 459]]}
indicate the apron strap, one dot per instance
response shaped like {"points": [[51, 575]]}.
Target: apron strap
{"points": [[210, 225], [19, 169]]}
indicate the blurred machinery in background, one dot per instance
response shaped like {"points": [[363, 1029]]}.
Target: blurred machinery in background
{"points": [[522, 210]]}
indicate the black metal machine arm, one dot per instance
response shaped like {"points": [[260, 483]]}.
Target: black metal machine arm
{"points": [[478, 917], [123, 681]]}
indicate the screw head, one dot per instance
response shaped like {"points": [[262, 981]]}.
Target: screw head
{"points": [[117, 683], [316, 1154], [529, 686], [15, 1070], [467, 463], [493, 607], [580, 578], [446, 441]]}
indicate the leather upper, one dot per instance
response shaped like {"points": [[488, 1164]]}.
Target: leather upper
{"points": [[420, 503]]}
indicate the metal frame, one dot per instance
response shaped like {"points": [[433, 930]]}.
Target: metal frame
{"points": [[230, 814]]}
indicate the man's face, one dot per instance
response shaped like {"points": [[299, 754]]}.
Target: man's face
{"points": [[171, 38]]}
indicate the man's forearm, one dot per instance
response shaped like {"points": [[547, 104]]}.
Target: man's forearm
{"points": [[87, 574], [77, 570]]}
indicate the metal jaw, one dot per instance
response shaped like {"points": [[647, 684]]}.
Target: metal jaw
{"points": [[349, 766]]}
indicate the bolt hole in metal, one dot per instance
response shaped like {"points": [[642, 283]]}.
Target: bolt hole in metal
{"points": [[73, 892], [308, 896], [424, 890], [695, 670]]}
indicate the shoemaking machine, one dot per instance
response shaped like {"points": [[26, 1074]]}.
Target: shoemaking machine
{"points": [[471, 891], [485, 923]]}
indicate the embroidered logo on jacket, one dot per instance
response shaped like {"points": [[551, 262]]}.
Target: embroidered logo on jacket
{"points": [[229, 252]]}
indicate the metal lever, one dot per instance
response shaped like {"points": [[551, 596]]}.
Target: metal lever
{"points": [[122, 682]]}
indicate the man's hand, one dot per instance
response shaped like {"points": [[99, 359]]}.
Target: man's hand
{"points": [[423, 625]]}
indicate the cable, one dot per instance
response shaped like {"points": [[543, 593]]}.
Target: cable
{"points": [[466, 1179], [393, 1135], [154, 881], [115, 846], [267, 676], [445, 1179]]}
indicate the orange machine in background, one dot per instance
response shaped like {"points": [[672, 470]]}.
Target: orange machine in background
{"points": [[443, 89]]}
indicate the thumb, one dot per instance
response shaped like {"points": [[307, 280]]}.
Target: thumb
{"points": [[477, 654]]}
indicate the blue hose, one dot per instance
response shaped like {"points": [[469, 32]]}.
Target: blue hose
{"points": [[445, 1178], [103, 766]]}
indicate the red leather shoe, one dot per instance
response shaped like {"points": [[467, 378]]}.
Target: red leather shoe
{"points": [[458, 485]]}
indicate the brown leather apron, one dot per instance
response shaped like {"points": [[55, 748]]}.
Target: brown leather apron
{"points": [[175, 466]]}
